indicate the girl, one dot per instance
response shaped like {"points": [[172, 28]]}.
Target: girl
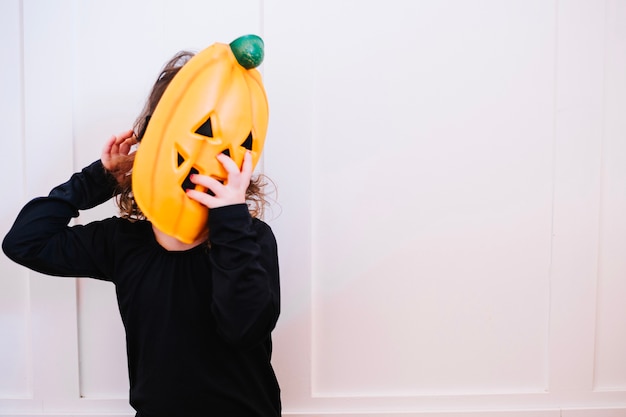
{"points": [[197, 316]]}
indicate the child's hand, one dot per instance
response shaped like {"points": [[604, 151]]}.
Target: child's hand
{"points": [[232, 192], [115, 152]]}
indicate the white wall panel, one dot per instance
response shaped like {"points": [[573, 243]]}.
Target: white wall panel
{"points": [[610, 366], [14, 304], [110, 79], [580, 67], [517, 161], [432, 181], [47, 96], [288, 77], [113, 74]]}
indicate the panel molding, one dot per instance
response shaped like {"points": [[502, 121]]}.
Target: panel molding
{"points": [[16, 380], [609, 368]]}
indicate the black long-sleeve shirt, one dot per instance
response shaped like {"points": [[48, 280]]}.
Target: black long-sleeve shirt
{"points": [[197, 322]]}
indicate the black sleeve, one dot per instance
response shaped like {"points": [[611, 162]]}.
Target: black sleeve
{"points": [[41, 239], [246, 289]]}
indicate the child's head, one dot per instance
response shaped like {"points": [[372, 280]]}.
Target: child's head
{"points": [[125, 200], [168, 72]]}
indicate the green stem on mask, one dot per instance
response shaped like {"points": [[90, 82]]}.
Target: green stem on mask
{"points": [[248, 50]]}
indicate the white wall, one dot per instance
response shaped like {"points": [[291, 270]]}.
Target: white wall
{"points": [[451, 196]]}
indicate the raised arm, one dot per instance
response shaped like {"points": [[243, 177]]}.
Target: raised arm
{"points": [[246, 290], [41, 238]]}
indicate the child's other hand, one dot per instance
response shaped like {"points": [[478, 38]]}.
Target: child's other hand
{"points": [[115, 152], [232, 192]]}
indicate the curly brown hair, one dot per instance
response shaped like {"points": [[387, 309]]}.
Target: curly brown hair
{"points": [[255, 196]]}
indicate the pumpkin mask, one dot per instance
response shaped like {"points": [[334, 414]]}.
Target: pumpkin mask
{"points": [[215, 104]]}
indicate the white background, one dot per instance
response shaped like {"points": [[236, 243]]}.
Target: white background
{"points": [[451, 205]]}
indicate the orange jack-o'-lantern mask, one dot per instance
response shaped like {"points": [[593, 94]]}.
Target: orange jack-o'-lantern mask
{"points": [[215, 104]]}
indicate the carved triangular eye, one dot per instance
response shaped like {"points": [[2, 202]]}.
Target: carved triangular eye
{"points": [[248, 142], [205, 129]]}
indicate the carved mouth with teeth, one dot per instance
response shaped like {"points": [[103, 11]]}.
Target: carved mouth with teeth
{"points": [[206, 130]]}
